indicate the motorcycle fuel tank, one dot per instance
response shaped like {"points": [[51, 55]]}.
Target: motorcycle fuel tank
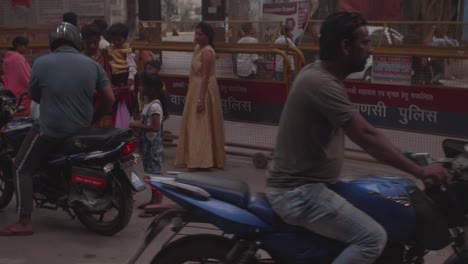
{"points": [[385, 199]]}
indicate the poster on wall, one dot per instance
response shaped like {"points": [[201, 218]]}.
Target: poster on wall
{"points": [[293, 14], [391, 69]]}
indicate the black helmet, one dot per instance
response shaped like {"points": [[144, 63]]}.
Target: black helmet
{"points": [[67, 34]]}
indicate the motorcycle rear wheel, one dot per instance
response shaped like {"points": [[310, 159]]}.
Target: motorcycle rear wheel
{"points": [[7, 187], [195, 249], [122, 201]]}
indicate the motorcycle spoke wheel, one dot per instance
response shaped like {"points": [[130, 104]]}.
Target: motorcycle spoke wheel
{"points": [[7, 188], [110, 214], [115, 217], [2, 186]]}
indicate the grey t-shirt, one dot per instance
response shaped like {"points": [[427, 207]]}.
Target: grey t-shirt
{"points": [[310, 142], [67, 82]]}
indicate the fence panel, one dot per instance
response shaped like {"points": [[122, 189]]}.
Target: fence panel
{"points": [[412, 90]]}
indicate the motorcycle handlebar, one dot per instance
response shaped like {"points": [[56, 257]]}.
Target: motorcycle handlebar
{"points": [[457, 166]]}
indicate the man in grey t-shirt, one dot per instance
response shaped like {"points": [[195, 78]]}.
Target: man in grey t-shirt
{"points": [[310, 145], [64, 83]]}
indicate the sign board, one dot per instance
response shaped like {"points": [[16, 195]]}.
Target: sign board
{"points": [[440, 111], [241, 100], [391, 69]]}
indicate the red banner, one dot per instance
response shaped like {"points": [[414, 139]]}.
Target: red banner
{"points": [[442, 99], [25, 3], [389, 10]]}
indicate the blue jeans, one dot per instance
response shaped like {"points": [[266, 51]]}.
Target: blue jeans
{"points": [[321, 210]]}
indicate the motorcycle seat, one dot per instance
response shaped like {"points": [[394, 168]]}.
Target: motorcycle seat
{"points": [[92, 138], [259, 206], [237, 193], [229, 190]]}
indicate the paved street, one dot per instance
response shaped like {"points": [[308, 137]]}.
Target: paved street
{"points": [[60, 240]]}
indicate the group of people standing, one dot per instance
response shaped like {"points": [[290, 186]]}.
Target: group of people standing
{"points": [[139, 90], [201, 137], [202, 120]]}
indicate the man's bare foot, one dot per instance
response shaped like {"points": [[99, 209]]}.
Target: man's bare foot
{"points": [[17, 229]]}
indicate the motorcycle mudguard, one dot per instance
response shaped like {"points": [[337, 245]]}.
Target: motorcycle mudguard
{"points": [[385, 199], [132, 177], [155, 228], [227, 217]]}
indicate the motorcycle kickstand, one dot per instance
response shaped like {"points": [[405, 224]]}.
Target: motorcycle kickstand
{"points": [[65, 207], [69, 212]]}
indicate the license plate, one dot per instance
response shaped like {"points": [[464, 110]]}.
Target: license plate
{"points": [[133, 176]]}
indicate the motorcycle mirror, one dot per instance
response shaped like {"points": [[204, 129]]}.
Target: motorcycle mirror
{"points": [[423, 159], [466, 148], [20, 109]]}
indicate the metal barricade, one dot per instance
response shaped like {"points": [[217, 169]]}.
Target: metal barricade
{"points": [[412, 89]]}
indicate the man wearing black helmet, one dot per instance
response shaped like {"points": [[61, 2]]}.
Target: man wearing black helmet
{"points": [[64, 83]]}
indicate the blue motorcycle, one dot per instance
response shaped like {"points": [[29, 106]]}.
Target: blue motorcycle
{"points": [[91, 177], [416, 221]]}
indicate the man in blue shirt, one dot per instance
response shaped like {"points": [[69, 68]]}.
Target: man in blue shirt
{"points": [[63, 83]]}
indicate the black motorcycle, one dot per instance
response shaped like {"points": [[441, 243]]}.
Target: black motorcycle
{"points": [[92, 175]]}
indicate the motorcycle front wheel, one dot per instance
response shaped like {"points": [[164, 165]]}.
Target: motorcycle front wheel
{"points": [[7, 188], [195, 249], [113, 219]]}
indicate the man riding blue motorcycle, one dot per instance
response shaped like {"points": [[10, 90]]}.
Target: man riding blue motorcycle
{"points": [[310, 145], [63, 83]]}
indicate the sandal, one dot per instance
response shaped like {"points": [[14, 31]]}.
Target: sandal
{"points": [[14, 231], [146, 214], [143, 205]]}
